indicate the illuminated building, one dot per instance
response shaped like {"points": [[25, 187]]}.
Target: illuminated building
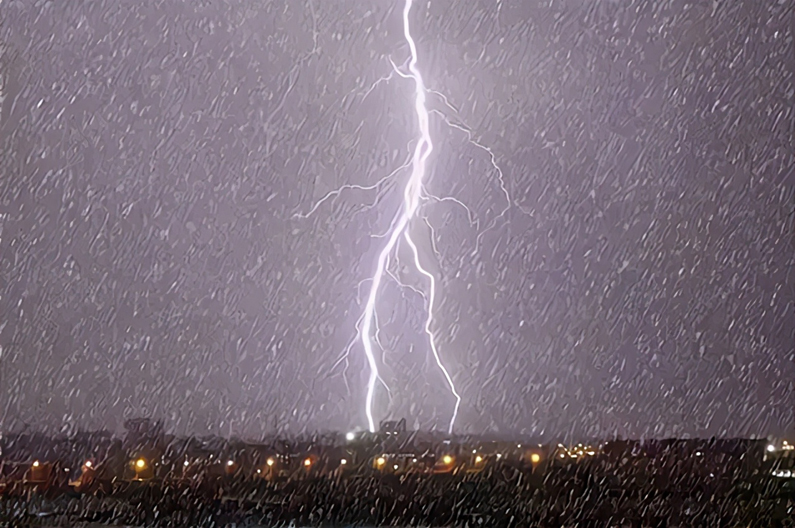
{"points": [[389, 428]]}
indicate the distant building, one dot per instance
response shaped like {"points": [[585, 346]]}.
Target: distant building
{"points": [[390, 427]]}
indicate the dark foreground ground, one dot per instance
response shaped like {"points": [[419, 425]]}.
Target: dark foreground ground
{"points": [[484, 500]]}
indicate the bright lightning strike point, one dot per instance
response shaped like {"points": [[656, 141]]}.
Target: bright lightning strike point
{"points": [[411, 199]]}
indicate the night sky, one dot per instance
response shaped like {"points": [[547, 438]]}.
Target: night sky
{"points": [[635, 277]]}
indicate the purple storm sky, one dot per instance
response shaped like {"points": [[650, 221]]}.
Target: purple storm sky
{"points": [[156, 158]]}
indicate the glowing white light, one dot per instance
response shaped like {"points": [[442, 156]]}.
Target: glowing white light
{"points": [[230, 463], [771, 448], [343, 462], [350, 436], [411, 198], [186, 463]]}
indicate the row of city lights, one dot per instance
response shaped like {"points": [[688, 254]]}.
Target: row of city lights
{"points": [[141, 464], [270, 462], [579, 451], [576, 452], [351, 436], [446, 460]]}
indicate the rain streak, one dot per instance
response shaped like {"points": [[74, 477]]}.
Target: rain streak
{"points": [[412, 263]]}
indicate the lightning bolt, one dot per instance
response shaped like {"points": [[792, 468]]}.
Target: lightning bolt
{"points": [[411, 200], [414, 195]]}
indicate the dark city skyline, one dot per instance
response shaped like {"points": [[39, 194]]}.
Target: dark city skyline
{"points": [[608, 216]]}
